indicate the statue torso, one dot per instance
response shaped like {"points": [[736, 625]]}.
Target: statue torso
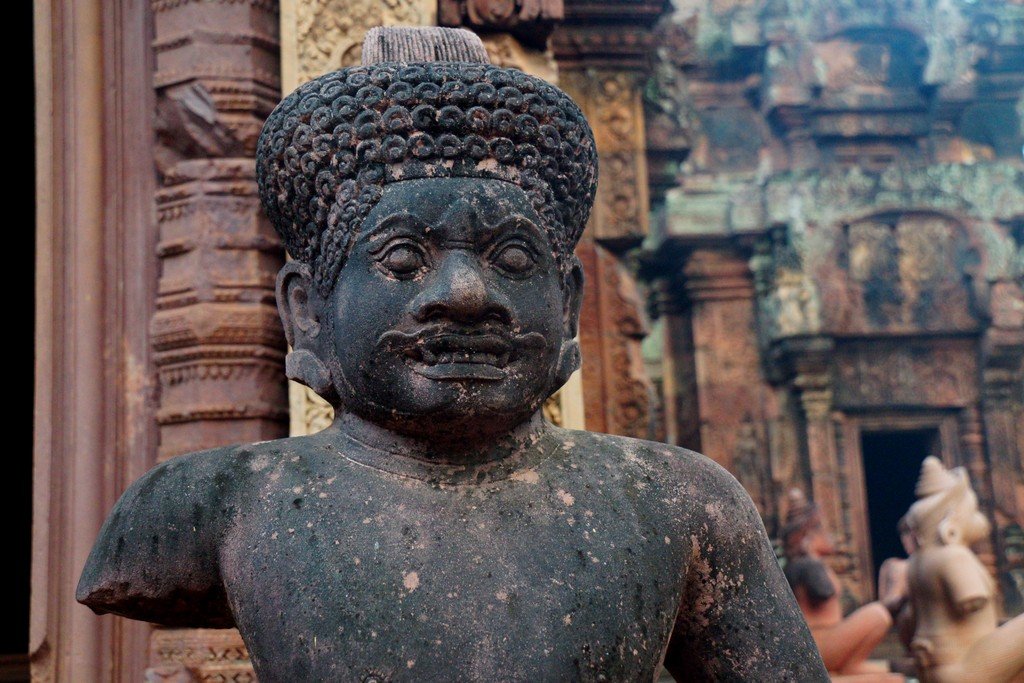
{"points": [[568, 568], [936, 574]]}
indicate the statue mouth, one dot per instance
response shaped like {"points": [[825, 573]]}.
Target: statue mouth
{"points": [[444, 353]]}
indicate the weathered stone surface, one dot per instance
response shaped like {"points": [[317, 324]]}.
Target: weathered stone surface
{"points": [[864, 159], [440, 528]]}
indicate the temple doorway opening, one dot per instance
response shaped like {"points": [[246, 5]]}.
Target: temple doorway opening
{"points": [[892, 462]]}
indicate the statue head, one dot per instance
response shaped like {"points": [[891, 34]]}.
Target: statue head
{"points": [[430, 203], [804, 531], [946, 511]]}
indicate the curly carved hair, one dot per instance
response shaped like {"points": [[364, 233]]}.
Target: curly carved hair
{"points": [[328, 149]]}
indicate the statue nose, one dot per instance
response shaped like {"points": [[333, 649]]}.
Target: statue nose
{"points": [[458, 291]]}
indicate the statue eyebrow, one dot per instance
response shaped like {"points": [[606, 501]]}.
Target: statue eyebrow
{"points": [[396, 220], [515, 221]]}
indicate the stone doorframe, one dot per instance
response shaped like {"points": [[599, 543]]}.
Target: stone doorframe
{"points": [[844, 385], [851, 426]]}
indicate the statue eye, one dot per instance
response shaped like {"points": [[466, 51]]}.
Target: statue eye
{"points": [[514, 259], [403, 260]]}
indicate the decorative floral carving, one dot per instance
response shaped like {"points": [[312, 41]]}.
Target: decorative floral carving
{"points": [[553, 409], [612, 102], [329, 33], [202, 655], [309, 413]]}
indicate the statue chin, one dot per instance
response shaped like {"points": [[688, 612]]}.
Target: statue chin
{"points": [[482, 408]]}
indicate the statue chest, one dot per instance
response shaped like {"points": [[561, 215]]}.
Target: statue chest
{"points": [[545, 577]]}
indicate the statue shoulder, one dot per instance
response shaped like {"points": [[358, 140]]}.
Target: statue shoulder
{"points": [[156, 556], [684, 477]]}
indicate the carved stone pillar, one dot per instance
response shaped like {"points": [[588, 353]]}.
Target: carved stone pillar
{"points": [[808, 363], [679, 374], [730, 386], [611, 100], [218, 341], [617, 393], [218, 344], [602, 51], [94, 431], [972, 444]]}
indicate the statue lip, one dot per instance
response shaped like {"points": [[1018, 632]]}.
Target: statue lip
{"points": [[455, 356], [444, 352]]}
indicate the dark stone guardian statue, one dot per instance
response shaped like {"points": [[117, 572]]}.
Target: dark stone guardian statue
{"points": [[441, 529]]}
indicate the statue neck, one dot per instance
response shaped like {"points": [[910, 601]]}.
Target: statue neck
{"points": [[462, 461]]}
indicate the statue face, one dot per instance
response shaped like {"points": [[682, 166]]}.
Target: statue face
{"points": [[450, 309]]}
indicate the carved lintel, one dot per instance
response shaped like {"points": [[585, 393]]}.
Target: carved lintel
{"points": [[530, 20], [915, 373], [609, 34]]}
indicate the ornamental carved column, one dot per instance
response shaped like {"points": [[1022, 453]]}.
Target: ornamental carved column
{"points": [[217, 341], [729, 379], [808, 365], [679, 374], [602, 50]]}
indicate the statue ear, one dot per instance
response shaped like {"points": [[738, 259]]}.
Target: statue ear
{"points": [[298, 307], [949, 531], [569, 354]]}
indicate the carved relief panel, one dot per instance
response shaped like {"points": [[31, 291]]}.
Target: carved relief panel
{"points": [[903, 273], [880, 374], [321, 35]]}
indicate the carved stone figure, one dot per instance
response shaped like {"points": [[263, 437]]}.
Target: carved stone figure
{"points": [[844, 643], [956, 636], [440, 528]]}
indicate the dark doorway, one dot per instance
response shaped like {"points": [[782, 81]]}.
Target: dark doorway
{"points": [[892, 462], [16, 502]]}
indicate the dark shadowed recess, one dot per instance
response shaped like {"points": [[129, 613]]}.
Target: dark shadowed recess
{"points": [[892, 461]]}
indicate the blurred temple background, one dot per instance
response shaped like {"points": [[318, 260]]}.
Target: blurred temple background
{"points": [[806, 260]]}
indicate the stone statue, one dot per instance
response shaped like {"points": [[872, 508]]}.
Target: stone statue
{"points": [[956, 636], [845, 643], [440, 528]]}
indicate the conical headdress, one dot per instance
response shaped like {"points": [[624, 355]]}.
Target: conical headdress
{"points": [[934, 478]]}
